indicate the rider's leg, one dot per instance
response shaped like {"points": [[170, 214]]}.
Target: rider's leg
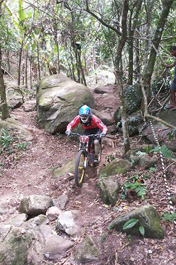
{"points": [[97, 143]]}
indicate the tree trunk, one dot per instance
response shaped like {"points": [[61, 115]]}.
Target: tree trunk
{"points": [[121, 43], [132, 27], [155, 44], [119, 76], [3, 105]]}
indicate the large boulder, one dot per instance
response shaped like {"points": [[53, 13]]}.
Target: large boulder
{"points": [[58, 101]]}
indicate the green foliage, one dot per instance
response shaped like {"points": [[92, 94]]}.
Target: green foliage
{"points": [[103, 238], [142, 230], [140, 189], [169, 217], [6, 141], [166, 152], [172, 135], [139, 153], [23, 145], [9, 144], [104, 175], [132, 223], [59, 135], [160, 83], [110, 157], [148, 148], [152, 169]]}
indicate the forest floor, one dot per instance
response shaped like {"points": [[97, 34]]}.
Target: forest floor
{"points": [[31, 171]]}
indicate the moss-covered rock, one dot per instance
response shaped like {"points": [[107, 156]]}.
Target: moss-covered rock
{"points": [[116, 167], [109, 189], [58, 101], [87, 251], [146, 216], [15, 245], [65, 169]]}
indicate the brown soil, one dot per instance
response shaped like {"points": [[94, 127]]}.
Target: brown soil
{"points": [[31, 172]]}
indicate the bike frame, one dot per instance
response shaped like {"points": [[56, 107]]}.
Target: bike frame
{"points": [[84, 144]]}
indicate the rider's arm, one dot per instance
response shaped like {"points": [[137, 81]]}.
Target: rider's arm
{"points": [[99, 124], [73, 123]]}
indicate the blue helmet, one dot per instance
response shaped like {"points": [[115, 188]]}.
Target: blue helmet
{"points": [[84, 113]]}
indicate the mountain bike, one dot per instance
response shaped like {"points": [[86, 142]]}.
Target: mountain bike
{"points": [[86, 155]]}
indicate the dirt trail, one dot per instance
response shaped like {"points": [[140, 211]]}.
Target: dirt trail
{"points": [[32, 173]]}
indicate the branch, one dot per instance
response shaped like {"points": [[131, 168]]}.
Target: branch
{"points": [[87, 9]]}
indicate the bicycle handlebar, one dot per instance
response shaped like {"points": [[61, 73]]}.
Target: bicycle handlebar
{"points": [[89, 135]]}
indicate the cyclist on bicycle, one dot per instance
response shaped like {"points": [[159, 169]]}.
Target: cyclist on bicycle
{"points": [[91, 124]]}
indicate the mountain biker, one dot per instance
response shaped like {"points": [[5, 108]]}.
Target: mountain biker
{"points": [[91, 124]]}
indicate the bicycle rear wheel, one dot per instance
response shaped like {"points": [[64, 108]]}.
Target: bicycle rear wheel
{"points": [[80, 168]]}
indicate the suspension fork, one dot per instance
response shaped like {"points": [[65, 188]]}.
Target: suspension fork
{"points": [[85, 160]]}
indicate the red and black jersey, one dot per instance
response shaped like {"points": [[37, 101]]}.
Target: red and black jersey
{"points": [[94, 123]]}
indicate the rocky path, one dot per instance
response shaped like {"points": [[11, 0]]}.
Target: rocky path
{"points": [[31, 172]]}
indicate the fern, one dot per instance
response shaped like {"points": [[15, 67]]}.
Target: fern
{"points": [[166, 152], [139, 188]]}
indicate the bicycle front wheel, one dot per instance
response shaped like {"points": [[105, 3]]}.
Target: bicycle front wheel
{"points": [[80, 168]]}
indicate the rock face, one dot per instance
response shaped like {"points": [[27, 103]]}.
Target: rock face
{"points": [[58, 101], [147, 217]]}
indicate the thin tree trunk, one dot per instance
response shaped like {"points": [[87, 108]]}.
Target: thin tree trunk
{"points": [[58, 56], [81, 68], [26, 71], [30, 72], [38, 62], [19, 64]]}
